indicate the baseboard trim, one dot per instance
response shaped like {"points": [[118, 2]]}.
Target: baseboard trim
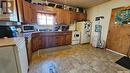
{"points": [[115, 52]]}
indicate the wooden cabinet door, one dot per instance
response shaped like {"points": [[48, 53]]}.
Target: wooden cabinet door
{"points": [[59, 40], [66, 17], [79, 16], [72, 17], [33, 13], [54, 41], [68, 39], [36, 41], [59, 15], [82, 16], [39, 8], [49, 41], [26, 12]]}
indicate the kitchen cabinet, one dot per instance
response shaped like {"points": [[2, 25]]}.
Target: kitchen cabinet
{"points": [[26, 12], [29, 13], [36, 41], [65, 16], [33, 14], [72, 16], [61, 16], [43, 40], [60, 40], [68, 38], [39, 8], [53, 41], [80, 16]]}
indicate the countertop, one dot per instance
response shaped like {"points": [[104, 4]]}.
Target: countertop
{"points": [[10, 41], [16, 40], [28, 34]]}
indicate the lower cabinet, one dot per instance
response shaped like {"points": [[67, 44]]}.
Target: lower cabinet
{"points": [[68, 38], [44, 40], [36, 41], [53, 41]]}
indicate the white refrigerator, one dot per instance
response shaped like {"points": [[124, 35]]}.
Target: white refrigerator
{"points": [[85, 30]]}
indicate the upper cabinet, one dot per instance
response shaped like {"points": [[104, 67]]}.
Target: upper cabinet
{"points": [[29, 13], [33, 13], [23, 11], [65, 16], [80, 16], [26, 12]]}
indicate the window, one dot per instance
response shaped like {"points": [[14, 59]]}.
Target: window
{"points": [[45, 19]]}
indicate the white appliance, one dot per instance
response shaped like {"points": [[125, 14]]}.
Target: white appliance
{"points": [[97, 39], [28, 28], [85, 30], [75, 37]]}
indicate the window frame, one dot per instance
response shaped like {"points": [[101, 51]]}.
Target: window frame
{"points": [[46, 14]]}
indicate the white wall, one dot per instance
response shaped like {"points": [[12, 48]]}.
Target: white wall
{"points": [[105, 10]]}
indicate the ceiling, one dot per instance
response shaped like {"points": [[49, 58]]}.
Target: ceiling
{"points": [[80, 3]]}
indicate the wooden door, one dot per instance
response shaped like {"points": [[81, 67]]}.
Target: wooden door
{"points": [[118, 36]]}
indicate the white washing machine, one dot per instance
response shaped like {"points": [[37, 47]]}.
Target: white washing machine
{"points": [[75, 37]]}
